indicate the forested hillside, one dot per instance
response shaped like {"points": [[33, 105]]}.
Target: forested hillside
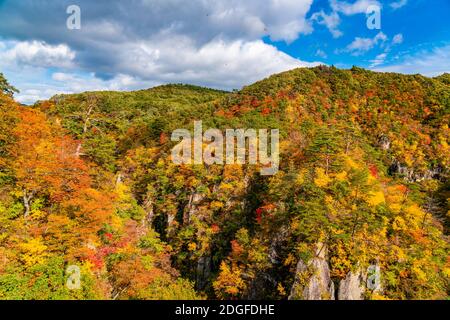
{"points": [[87, 180]]}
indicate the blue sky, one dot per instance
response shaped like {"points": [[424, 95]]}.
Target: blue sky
{"points": [[422, 26], [135, 44]]}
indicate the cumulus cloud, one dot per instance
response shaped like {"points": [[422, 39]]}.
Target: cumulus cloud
{"points": [[218, 63], [66, 82], [30, 96], [212, 43], [78, 83], [203, 20], [279, 19], [38, 54]]}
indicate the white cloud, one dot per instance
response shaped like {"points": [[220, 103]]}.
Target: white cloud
{"points": [[379, 59], [38, 54], [331, 21], [398, 4], [362, 45], [279, 19], [146, 42], [63, 82], [29, 96], [382, 57], [429, 63], [360, 6], [250, 19], [73, 83], [219, 64]]}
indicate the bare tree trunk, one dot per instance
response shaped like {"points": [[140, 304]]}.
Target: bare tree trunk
{"points": [[27, 202], [85, 125]]}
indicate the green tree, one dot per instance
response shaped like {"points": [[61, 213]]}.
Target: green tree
{"points": [[325, 146], [5, 87]]}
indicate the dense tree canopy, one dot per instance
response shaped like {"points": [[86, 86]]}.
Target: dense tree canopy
{"points": [[87, 180]]}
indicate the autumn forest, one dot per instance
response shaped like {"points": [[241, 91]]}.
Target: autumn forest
{"points": [[358, 210]]}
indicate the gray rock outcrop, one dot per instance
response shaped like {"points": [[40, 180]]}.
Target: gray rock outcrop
{"points": [[313, 281], [352, 287]]}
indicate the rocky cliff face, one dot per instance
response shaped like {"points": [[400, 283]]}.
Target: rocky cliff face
{"points": [[352, 287], [203, 271], [313, 281], [411, 175], [192, 207]]}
